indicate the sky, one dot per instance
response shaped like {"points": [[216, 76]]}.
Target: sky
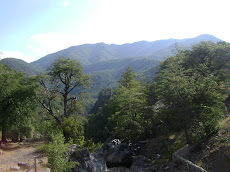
{"points": [[31, 29]]}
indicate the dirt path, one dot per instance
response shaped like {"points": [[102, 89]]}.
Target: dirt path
{"points": [[23, 152]]}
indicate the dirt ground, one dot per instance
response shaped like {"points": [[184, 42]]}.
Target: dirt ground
{"points": [[24, 152]]}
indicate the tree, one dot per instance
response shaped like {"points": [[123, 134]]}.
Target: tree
{"points": [[62, 78], [16, 99], [192, 99], [130, 101], [97, 126], [103, 98]]}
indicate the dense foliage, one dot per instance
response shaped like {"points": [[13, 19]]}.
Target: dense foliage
{"points": [[17, 102], [186, 95]]}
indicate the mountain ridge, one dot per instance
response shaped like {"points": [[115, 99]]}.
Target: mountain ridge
{"points": [[106, 62], [88, 54]]}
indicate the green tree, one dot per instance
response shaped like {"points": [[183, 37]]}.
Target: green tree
{"points": [[130, 101], [192, 99], [73, 129], [103, 98], [62, 78], [16, 99], [209, 58], [97, 125]]}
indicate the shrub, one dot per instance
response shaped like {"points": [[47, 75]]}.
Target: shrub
{"points": [[58, 154]]}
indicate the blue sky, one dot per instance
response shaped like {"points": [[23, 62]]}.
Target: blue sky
{"points": [[31, 29]]}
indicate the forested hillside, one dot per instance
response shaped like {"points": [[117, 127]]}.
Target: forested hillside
{"points": [[92, 53], [184, 97], [22, 66], [106, 62]]}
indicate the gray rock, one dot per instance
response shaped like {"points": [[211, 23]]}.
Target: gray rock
{"points": [[89, 162]]}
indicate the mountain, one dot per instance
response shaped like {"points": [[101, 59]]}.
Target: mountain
{"points": [[106, 62], [106, 74], [21, 65], [88, 54]]}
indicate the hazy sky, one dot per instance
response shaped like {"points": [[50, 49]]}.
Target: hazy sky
{"points": [[31, 29]]}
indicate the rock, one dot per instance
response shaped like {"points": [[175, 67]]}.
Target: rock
{"points": [[114, 156], [0, 152], [143, 164], [14, 168], [88, 162], [117, 155], [116, 141], [218, 160], [24, 165], [119, 169]]}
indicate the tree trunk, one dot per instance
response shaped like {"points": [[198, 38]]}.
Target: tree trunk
{"points": [[65, 105], [4, 140], [187, 135]]}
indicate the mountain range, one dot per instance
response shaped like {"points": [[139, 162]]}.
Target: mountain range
{"points": [[106, 62]]}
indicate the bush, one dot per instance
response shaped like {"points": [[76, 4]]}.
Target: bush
{"points": [[58, 154]]}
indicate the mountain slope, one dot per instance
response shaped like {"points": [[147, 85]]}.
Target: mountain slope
{"points": [[106, 74], [107, 62], [180, 43], [21, 65], [88, 54]]}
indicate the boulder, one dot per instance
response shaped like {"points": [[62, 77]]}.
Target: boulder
{"points": [[117, 155], [143, 164], [113, 156], [88, 162]]}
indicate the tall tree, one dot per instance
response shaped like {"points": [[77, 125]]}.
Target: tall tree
{"points": [[62, 78], [130, 101]]}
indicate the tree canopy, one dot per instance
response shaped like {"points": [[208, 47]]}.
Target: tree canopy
{"points": [[189, 85], [16, 99]]}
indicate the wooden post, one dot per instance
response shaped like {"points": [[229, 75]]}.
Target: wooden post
{"points": [[35, 166]]}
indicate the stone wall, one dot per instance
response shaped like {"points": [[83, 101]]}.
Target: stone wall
{"points": [[183, 164]]}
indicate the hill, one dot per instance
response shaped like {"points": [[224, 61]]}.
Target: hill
{"points": [[106, 74], [21, 65], [106, 62], [88, 54]]}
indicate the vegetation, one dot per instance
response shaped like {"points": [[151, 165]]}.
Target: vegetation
{"points": [[22, 66], [193, 102], [130, 101], [63, 76], [17, 101], [186, 95], [58, 154]]}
